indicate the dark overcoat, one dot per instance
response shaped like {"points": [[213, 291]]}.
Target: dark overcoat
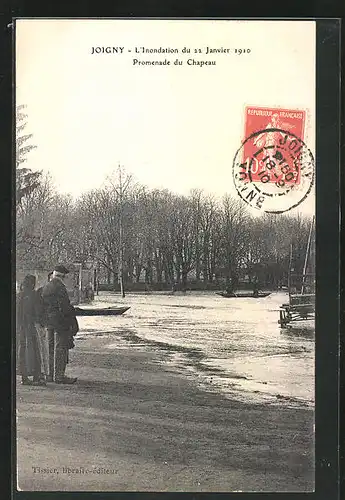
{"points": [[28, 353], [59, 312]]}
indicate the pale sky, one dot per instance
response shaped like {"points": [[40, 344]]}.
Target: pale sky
{"points": [[175, 127]]}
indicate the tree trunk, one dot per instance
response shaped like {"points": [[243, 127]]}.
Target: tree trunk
{"points": [[178, 275], [197, 259], [184, 280], [159, 273], [205, 263], [115, 276], [148, 273], [159, 268]]}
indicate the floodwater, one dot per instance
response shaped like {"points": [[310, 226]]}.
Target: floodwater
{"points": [[230, 345]]}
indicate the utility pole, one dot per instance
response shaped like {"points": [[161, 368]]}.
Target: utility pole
{"points": [[307, 253], [290, 270]]}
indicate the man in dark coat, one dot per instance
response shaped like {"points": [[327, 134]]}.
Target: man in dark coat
{"points": [[29, 352], [60, 318]]}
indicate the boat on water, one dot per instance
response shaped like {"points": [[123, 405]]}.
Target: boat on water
{"points": [[240, 295], [100, 311]]}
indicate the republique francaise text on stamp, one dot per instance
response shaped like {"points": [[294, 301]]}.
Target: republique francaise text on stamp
{"points": [[273, 170]]}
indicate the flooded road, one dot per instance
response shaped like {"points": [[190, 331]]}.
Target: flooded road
{"points": [[232, 345]]}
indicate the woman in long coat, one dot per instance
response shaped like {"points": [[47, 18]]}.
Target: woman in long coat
{"points": [[29, 351]]}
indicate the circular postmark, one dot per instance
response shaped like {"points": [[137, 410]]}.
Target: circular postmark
{"points": [[273, 170]]}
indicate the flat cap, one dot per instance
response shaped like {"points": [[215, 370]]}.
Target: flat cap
{"points": [[61, 269]]}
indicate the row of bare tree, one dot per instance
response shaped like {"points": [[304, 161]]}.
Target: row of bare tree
{"points": [[166, 238]]}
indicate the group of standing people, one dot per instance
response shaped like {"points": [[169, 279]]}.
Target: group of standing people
{"points": [[46, 326]]}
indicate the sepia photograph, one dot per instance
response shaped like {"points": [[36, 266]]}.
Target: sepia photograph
{"points": [[165, 255]]}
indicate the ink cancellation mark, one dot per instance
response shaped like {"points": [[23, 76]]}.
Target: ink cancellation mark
{"points": [[277, 174], [273, 169]]}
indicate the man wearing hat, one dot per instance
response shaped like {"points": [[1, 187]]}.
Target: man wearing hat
{"points": [[61, 320]]}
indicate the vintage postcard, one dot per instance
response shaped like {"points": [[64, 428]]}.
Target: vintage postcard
{"points": [[165, 255]]}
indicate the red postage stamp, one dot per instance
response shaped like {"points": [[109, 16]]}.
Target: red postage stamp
{"points": [[289, 120], [273, 170]]}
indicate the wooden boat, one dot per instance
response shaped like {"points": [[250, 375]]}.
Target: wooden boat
{"points": [[240, 295], [104, 311]]}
